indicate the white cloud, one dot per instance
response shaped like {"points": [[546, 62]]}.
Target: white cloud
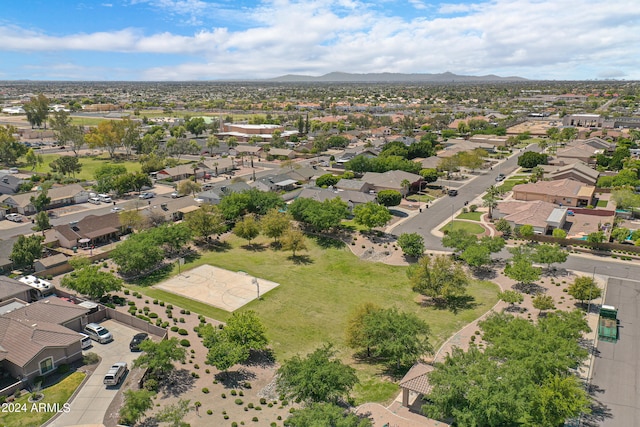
{"points": [[534, 39]]}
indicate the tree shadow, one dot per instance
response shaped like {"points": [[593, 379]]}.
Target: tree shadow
{"points": [[276, 246], [599, 411], [235, 379], [301, 259], [148, 422], [152, 278], [176, 383], [529, 288], [484, 273], [514, 309], [254, 247], [192, 256], [461, 302], [326, 242], [262, 358]]}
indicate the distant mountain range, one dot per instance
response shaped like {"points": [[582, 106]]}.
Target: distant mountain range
{"points": [[338, 77]]}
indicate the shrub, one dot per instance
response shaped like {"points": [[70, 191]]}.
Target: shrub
{"points": [[127, 291], [239, 401], [182, 311], [181, 320], [153, 315], [226, 417], [234, 424], [473, 208], [254, 419], [161, 303], [165, 324], [185, 343], [174, 329], [241, 393], [90, 358], [234, 393], [139, 296], [207, 371], [258, 408], [151, 384], [169, 306], [209, 412], [132, 303], [183, 332], [263, 401], [250, 405], [194, 375], [187, 312], [224, 396], [205, 390]]}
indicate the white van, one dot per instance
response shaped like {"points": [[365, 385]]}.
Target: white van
{"points": [[115, 374], [85, 341], [98, 333], [104, 198], [94, 200]]}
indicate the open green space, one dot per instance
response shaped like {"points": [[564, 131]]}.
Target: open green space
{"points": [[87, 121], [473, 216], [89, 165], [58, 393], [318, 291], [469, 227]]}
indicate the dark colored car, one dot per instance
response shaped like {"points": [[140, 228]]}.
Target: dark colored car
{"points": [[452, 193], [134, 345]]}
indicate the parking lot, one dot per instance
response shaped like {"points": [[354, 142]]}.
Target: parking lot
{"points": [[93, 399]]}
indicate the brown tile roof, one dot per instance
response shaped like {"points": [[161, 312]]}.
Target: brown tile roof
{"points": [[417, 379], [10, 287], [91, 226], [532, 213], [51, 310], [21, 341], [560, 188]]}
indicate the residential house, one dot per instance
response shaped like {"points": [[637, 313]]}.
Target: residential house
{"points": [[354, 185], [11, 288], [46, 263], [351, 198], [281, 182], [6, 247], [542, 216], [495, 140], [216, 166], [90, 230], [214, 194], [564, 192], [392, 180], [60, 196], [180, 172], [578, 151], [577, 171], [282, 152], [167, 209], [35, 339], [9, 184]]}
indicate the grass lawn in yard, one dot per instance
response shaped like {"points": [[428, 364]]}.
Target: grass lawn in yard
{"points": [[425, 198], [89, 165], [602, 203], [474, 216], [469, 227], [317, 293], [58, 393], [508, 184]]}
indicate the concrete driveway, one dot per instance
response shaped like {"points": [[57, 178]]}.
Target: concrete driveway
{"points": [[93, 399]]}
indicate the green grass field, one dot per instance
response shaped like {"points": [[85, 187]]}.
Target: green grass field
{"points": [[473, 216], [89, 165], [316, 295], [508, 184], [469, 227], [57, 393], [602, 203]]}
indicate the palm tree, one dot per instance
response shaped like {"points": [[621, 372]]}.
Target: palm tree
{"points": [[195, 168], [212, 142], [491, 199]]}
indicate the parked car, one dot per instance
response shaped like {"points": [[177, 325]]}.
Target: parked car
{"points": [[116, 209], [14, 217], [14, 170], [175, 195], [94, 200], [147, 195], [98, 333], [137, 339], [500, 177], [452, 193], [85, 341], [115, 374]]}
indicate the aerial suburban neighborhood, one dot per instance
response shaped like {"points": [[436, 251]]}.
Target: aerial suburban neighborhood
{"points": [[274, 253]]}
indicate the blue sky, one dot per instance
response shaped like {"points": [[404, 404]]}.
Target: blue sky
{"points": [[241, 39]]}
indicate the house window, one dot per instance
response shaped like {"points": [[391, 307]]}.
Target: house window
{"points": [[568, 200], [46, 365]]}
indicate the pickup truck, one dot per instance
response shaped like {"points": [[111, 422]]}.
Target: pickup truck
{"points": [[115, 374]]}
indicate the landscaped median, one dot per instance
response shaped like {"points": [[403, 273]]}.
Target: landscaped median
{"points": [[24, 413], [318, 292]]}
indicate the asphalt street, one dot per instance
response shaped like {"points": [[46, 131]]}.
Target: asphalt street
{"points": [[616, 370]]}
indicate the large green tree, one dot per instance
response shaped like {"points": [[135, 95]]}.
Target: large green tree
{"points": [[318, 377], [10, 148], [90, 280], [371, 215], [136, 403], [584, 288], [246, 329], [531, 159], [205, 221], [66, 165], [438, 277], [549, 254], [325, 414], [159, 356], [26, 250], [275, 224], [248, 228], [522, 271], [412, 244], [37, 110]]}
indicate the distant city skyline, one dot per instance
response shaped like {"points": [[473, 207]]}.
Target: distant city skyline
{"points": [[179, 40]]}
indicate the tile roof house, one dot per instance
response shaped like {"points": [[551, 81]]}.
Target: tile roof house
{"points": [[564, 192], [578, 151], [539, 214], [282, 152], [11, 288], [37, 338], [220, 189], [166, 210], [217, 166], [391, 180], [60, 196], [577, 171], [96, 228], [353, 185], [180, 172]]}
